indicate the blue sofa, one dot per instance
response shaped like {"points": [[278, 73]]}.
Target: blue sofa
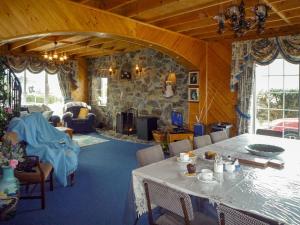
{"points": [[71, 120]]}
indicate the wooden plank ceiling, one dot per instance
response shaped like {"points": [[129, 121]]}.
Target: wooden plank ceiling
{"points": [[189, 17], [195, 17], [71, 45]]}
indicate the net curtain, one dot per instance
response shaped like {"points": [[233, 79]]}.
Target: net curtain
{"points": [[263, 52], [67, 72]]}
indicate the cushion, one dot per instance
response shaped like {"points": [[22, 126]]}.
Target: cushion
{"points": [[83, 113], [23, 113], [35, 108], [47, 114], [45, 108]]}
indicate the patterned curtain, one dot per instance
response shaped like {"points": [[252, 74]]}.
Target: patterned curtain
{"points": [[242, 72], [262, 51], [67, 72]]}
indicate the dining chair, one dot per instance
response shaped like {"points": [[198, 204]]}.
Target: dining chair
{"points": [[149, 155], [230, 216], [178, 205], [218, 136], [180, 146], [202, 141]]}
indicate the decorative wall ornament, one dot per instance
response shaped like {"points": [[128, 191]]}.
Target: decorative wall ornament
{"points": [[193, 78], [169, 87], [193, 94]]}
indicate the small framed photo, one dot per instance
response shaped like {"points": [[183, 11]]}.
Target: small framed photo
{"points": [[193, 78], [193, 94]]}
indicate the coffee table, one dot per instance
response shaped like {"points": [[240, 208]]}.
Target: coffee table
{"points": [[67, 130]]}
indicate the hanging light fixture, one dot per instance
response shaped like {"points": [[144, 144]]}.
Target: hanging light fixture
{"points": [[236, 16], [54, 56]]}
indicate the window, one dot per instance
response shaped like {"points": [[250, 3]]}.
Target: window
{"points": [[41, 88], [276, 98], [103, 91]]}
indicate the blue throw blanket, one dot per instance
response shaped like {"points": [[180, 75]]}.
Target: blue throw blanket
{"points": [[48, 143]]}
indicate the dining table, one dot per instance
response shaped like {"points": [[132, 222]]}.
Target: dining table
{"points": [[269, 192]]}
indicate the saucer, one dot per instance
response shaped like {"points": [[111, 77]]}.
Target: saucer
{"points": [[199, 177], [185, 161], [190, 174]]}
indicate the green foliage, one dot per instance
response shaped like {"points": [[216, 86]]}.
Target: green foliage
{"points": [[9, 152], [276, 99]]}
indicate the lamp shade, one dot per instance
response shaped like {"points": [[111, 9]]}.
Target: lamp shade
{"points": [[172, 78]]}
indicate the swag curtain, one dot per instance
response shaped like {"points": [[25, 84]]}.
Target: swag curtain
{"points": [[263, 52], [67, 72]]}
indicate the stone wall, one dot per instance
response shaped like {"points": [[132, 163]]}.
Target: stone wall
{"points": [[143, 92]]}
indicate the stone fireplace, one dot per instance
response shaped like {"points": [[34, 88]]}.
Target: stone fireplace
{"points": [[143, 92]]}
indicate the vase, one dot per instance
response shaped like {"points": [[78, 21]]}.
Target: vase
{"points": [[9, 184]]}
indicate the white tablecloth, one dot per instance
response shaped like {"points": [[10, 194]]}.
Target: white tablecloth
{"points": [[273, 193]]}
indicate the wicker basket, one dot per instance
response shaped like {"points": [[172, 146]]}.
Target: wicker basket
{"points": [[158, 136]]}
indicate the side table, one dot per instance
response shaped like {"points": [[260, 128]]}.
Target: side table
{"points": [[67, 130], [171, 137]]}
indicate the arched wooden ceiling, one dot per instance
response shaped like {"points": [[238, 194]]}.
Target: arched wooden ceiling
{"points": [[195, 17], [43, 22]]}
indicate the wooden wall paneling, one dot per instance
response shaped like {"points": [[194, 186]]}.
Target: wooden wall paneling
{"points": [[222, 108]]}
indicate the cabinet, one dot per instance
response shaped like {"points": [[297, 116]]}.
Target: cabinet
{"points": [[144, 126]]}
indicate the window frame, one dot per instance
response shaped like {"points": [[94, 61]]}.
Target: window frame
{"points": [[253, 124]]}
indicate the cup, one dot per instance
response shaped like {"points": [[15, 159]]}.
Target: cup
{"points": [[206, 174], [184, 156], [229, 167]]}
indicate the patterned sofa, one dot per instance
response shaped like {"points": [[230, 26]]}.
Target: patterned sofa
{"points": [[72, 121]]}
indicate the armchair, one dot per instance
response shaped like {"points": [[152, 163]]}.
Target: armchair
{"points": [[72, 121]]}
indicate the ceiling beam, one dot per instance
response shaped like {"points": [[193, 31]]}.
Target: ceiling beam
{"points": [[282, 16], [135, 7], [194, 9], [18, 44]]}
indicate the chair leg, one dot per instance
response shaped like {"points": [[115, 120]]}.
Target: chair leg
{"points": [[43, 194], [72, 178], [51, 180]]}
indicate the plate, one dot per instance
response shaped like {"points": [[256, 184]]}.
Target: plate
{"points": [[188, 161], [186, 174], [264, 150]]}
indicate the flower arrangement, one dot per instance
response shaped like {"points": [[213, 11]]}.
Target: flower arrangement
{"points": [[10, 154], [5, 116]]}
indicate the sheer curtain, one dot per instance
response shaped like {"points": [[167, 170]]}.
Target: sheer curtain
{"points": [[67, 72], [261, 51]]}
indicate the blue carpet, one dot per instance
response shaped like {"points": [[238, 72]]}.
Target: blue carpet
{"points": [[98, 196]]}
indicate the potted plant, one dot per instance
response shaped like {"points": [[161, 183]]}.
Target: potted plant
{"points": [[10, 156]]}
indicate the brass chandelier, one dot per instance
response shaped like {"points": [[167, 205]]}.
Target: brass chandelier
{"points": [[54, 56], [236, 16]]}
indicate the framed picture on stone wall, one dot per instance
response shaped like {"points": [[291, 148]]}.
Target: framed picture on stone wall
{"points": [[193, 78], [193, 94]]}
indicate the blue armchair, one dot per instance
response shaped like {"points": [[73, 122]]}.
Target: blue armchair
{"points": [[72, 121]]}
